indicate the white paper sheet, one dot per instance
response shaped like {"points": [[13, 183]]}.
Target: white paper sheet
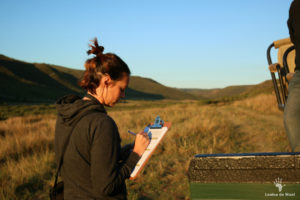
{"points": [[156, 137]]}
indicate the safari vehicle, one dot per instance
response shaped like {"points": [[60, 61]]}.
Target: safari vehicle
{"points": [[283, 70], [265, 175]]}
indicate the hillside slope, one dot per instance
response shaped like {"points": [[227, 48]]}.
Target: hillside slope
{"points": [[22, 82], [37, 83], [31, 82], [152, 87], [265, 87]]}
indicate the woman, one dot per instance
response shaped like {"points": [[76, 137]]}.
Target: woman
{"points": [[94, 165]]}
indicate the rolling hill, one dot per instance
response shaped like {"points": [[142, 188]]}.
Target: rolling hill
{"points": [[22, 82], [239, 91], [39, 82]]}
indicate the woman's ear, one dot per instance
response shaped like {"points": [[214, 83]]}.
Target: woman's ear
{"points": [[105, 80]]}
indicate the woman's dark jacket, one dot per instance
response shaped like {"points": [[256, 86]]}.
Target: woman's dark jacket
{"points": [[94, 166]]}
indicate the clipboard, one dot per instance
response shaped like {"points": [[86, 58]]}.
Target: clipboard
{"points": [[156, 131]]}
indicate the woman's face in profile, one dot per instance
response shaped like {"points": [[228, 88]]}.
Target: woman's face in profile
{"points": [[116, 90]]}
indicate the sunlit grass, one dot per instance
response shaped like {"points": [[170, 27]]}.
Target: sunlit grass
{"points": [[249, 125]]}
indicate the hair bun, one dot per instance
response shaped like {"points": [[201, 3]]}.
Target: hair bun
{"points": [[95, 49]]}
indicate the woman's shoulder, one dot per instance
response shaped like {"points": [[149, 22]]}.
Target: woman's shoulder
{"points": [[101, 126], [100, 119]]}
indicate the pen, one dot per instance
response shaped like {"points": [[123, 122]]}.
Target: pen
{"points": [[149, 134], [132, 133]]}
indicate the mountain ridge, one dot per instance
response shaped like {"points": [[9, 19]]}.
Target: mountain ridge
{"points": [[24, 82], [40, 82]]}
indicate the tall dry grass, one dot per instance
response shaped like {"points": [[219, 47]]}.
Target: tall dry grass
{"points": [[262, 103], [250, 125], [26, 156]]}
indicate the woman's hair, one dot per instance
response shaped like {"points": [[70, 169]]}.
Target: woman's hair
{"points": [[99, 65]]}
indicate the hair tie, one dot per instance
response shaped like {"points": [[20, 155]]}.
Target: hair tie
{"points": [[95, 49]]}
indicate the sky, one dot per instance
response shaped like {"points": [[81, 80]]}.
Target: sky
{"points": [[179, 43]]}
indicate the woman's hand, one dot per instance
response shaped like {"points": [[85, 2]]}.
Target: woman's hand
{"points": [[141, 142]]}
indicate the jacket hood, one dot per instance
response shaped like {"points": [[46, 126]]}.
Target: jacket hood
{"points": [[71, 108]]}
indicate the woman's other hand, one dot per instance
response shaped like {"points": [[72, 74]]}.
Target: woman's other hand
{"points": [[141, 142]]}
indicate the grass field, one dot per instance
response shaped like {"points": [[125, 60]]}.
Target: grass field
{"points": [[249, 125]]}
